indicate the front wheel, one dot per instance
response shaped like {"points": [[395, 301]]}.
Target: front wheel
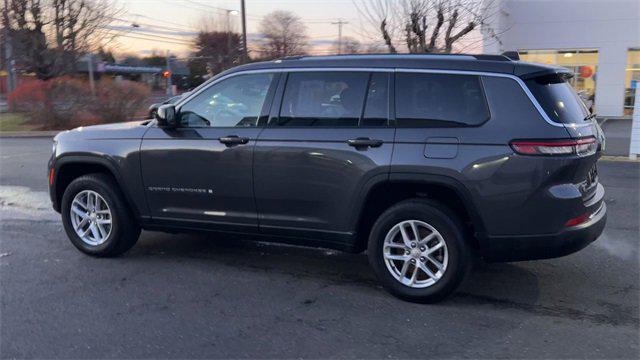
{"points": [[97, 218], [418, 250]]}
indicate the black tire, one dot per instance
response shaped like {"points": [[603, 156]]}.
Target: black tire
{"points": [[447, 224], [124, 229]]}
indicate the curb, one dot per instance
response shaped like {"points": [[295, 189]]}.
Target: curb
{"points": [[619, 159], [29, 134]]}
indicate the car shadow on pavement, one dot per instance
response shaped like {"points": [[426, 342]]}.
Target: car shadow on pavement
{"points": [[488, 283]]}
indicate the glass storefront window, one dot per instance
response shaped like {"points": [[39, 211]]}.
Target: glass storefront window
{"points": [[632, 80], [583, 62]]}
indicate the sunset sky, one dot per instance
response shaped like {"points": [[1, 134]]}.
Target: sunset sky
{"points": [[172, 23]]}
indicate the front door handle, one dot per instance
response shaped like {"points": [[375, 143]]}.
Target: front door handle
{"points": [[233, 140], [364, 142]]}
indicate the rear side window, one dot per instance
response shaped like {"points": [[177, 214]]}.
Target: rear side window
{"points": [[323, 99], [558, 99], [439, 100]]}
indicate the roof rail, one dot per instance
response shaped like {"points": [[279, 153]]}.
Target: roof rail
{"points": [[502, 57]]}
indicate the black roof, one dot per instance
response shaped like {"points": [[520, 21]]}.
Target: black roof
{"points": [[461, 62]]}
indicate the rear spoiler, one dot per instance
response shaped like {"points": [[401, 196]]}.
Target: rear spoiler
{"points": [[560, 71]]}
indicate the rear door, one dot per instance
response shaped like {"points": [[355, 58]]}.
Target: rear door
{"points": [[328, 136], [201, 171]]}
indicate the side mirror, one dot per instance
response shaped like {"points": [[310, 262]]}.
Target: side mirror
{"points": [[166, 116]]}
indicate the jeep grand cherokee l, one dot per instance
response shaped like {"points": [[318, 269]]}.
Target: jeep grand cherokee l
{"points": [[424, 161]]}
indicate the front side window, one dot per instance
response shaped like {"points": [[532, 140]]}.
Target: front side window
{"points": [[234, 102], [558, 99], [439, 100], [323, 99]]}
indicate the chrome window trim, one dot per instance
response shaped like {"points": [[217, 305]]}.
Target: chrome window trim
{"points": [[523, 86]]}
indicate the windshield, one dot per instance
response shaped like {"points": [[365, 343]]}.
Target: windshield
{"points": [[558, 99]]}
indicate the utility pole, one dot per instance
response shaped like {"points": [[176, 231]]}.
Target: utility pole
{"points": [[245, 54], [169, 80], [8, 50], [340, 22]]}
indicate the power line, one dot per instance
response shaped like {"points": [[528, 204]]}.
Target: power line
{"points": [[143, 33], [156, 19], [178, 35], [201, 6], [152, 39], [133, 22], [207, 6]]}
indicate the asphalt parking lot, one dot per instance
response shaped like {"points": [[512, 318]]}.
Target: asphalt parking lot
{"points": [[190, 296]]}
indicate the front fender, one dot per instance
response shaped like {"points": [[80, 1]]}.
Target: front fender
{"points": [[125, 169]]}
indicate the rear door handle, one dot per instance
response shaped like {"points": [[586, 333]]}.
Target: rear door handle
{"points": [[233, 140], [364, 142]]}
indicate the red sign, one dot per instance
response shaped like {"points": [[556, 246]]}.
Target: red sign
{"points": [[586, 71]]}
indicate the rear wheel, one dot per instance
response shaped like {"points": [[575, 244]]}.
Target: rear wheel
{"points": [[96, 217], [418, 251]]}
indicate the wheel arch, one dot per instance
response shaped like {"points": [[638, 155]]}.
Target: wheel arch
{"points": [[382, 194], [70, 167]]}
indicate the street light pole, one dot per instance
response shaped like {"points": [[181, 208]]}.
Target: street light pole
{"points": [[245, 54]]}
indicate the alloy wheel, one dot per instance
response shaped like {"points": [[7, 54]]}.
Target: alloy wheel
{"points": [[415, 253], [91, 217]]}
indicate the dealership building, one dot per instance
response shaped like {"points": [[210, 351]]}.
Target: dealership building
{"points": [[598, 39]]}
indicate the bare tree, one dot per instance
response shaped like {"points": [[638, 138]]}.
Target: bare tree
{"points": [[284, 34], [49, 36], [349, 46], [424, 26], [215, 51], [79, 28], [25, 21]]}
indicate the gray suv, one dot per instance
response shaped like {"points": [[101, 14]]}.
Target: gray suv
{"points": [[424, 161]]}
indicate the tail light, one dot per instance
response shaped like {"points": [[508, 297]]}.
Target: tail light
{"points": [[51, 177], [577, 220], [585, 146]]}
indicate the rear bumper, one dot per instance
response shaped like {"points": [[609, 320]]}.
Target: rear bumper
{"points": [[533, 247]]}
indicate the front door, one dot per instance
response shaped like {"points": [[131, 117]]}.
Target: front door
{"points": [[328, 135], [200, 173]]}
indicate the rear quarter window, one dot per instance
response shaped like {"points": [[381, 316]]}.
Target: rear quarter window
{"points": [[439, 100], [558, 99]]}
